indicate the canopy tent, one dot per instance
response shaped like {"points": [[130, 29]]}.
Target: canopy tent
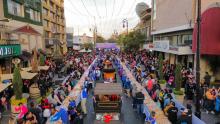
{"points": [[84, 51], [24, 75], [106, 46], [210, 31], [108, 89], [3, 86], [39, 68]]}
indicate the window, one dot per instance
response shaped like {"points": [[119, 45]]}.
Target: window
{"points": [[51, 14], [44, 11], [45, 23], [46, 34], [187, 39], [15, 8], [51, 5], [31, 14]]}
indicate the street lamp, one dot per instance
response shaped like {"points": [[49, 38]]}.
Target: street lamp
{"points": [[125, 23], [198, 94]]}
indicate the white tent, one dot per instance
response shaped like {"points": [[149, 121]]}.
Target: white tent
{"points": [[84, 51]]}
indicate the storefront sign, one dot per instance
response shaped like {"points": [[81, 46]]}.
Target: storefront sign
{"points": [[173, 48], [162, 45], [10, 50]]}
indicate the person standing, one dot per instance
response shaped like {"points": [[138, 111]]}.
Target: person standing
{"points": [[207, 79], [172, 113], [84, 96]]}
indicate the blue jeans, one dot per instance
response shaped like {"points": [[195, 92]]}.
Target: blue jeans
{"points": [[140, 108]]}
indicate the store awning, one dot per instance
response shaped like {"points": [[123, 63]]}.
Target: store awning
{"points": [[45, 68], [84, 51], [3, 86], [210, 32], [24, 75]]}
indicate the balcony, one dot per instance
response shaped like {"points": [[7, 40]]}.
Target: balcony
{"points": [[146, 15], [181, 50], [164, 46]]}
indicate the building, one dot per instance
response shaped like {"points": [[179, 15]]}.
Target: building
{"points": [[21, 31], [54, 25], [172, 30], [69, 37], [78, 41], [144, 26]]}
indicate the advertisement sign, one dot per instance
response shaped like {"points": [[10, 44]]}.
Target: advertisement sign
{"points": [[10, 50], [162, 45]]}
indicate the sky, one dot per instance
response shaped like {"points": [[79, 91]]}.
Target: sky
{"points": [[106, 15]]}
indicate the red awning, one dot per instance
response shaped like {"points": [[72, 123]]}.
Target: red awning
{"points": [[210, 32], [27, 29]]}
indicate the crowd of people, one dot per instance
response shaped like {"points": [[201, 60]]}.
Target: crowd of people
{"points": [[50, 109], [145, 67]]}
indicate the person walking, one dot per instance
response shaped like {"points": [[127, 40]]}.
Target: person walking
{"points": [[84, 96], [207, 79]]}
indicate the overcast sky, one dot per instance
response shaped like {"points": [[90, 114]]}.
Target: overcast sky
{"points": [[107, 15]]}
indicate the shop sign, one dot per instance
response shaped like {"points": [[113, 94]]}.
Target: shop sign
{"points": [[162, 45], [173, 48], [10, 50]]}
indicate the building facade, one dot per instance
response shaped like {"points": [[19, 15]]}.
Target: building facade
{"points": [[54, 25], [80, 40], [172, 30], [144, 26], [69, 37], [21, 31]]}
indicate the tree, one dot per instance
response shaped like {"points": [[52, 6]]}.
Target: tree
{"points": [[100, 39], [17, 80], [132, 41], [161, 74], [42, 60], [88, 46], [178, 77]]}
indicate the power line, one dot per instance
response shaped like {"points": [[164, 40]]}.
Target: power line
{"points": [[96, 8], [76, 8], [131, 8], [113, 8], [86, 8], [121, 8]]}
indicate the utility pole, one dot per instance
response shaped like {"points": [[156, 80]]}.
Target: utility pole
{"points": [[95, 36], [198, 94]]}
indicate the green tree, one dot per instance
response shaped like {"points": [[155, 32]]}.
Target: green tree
{"points": [[17, 82], [178, 77], [132, 41], [100, 39], [87, 46], [42, 60], [161, 74]]}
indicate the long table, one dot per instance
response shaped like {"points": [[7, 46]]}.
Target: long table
{"points": [[152, 106], [149, 104], [75, 93]]}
